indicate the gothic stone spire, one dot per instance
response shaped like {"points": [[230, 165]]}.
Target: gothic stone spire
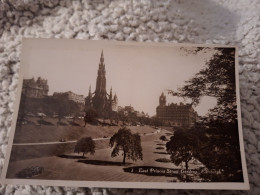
{"points": [[101, 79], [89, 92], [100, 100]]}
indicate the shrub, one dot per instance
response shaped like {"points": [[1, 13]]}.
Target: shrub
{"points": [[43, 122], [159, 148], [85, 145], [164, 160], [163, 138]]}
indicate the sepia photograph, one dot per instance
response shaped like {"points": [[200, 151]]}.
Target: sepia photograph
{"points": [[125, 114]]}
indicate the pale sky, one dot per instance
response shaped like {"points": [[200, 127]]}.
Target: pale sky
{"points": [[138, 73]]}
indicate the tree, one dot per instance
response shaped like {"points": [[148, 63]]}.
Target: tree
{"points": [[90, 115], [163, 138], [85, 145], [182, 147], [58, 104], [63, 106], [216, 79], [221, 151], [156, 122], [128, 143]]}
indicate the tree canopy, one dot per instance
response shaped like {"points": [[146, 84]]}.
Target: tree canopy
{"points": [[219, 147], [182, 147], [59, 104], [85, 145], [64, 106], [163, 138], [216, 79], [128, 143], [90, 115]]}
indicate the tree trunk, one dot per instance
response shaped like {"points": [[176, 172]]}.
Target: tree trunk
{"points": [[124, 158], [186, 165]]}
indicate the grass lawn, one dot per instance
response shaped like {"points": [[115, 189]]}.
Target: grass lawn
{"points": [[98, 167], [21, 152], [32, 132]]}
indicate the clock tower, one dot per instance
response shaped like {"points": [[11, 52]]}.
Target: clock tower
{"points": [[162, 100]]}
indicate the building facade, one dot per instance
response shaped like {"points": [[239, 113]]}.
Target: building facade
{"points": [[35, 88], [76, 98], [182, 115], [72, 96], [100, 100]]}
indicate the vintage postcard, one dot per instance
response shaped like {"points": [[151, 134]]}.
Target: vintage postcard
{"points": [[127, 115]]}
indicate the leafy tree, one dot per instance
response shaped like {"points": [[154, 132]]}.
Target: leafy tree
{"points": [[221, 151], [156, 122], [90, 115], [64, 106], [85, 145], [60, 105], [216, 79], [182, 147], [163, 138], [128, 143]]}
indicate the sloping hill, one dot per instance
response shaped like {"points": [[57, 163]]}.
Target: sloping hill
{"points": [[48, 131]]}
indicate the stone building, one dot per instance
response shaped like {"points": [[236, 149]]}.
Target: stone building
{"points": [[126, 111], [72, 96], [182, 115], [35, 88], [100, 100], [129, 111], [76, 98]]}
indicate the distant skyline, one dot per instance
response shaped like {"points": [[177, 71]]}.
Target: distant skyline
{"points": [[137, 73]]}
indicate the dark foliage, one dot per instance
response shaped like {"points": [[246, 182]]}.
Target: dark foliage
{"points": [[218, 147], [49, 105], [220, 151], [182, 147], [70, 156], [160, 144], [160, 152], [128, 143], [163, 138], [216, 79], [30, 172], [159, 148], [44, 122], [85, 145], [74, 123], [63, 106], [164, 160], [156, 122], [103, 163], [90, 115]]}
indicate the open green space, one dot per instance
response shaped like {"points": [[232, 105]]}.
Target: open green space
{"points": [[33, 132], [99, 167], [60, 163]]}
